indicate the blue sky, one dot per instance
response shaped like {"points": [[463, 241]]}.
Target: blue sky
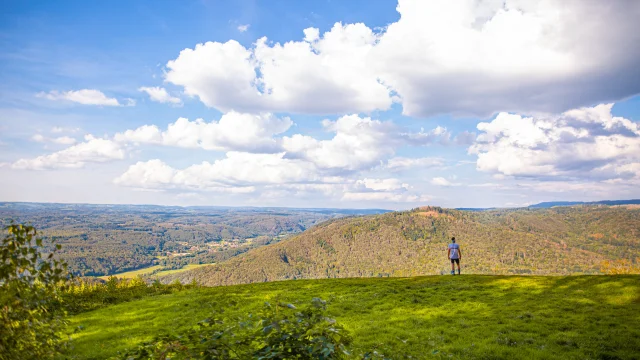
{"points": [[319, 104]]}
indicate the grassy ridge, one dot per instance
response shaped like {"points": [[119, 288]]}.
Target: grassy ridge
{"points": [[584, 317]]}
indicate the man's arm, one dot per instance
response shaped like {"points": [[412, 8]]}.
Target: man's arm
{"points": [[449, 253], [459, 253]]}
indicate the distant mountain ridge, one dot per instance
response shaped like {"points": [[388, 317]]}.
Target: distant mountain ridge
{"points": [[550, 204]]}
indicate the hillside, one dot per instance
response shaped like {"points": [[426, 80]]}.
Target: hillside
{"points": [[439, 317], [568, 240]]}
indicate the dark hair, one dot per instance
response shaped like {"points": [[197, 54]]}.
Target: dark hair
{"points": [[453, 239]]}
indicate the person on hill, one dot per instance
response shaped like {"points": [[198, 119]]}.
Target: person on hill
{"points": [[455, 255]]}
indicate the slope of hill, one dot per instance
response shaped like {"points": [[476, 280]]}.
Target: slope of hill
{"points": [[567, 240], [439, 317]]}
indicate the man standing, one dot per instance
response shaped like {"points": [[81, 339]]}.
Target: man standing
{"points": [[455, 255]]}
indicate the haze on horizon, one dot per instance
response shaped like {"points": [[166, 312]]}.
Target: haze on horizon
{"points": [[325, 104]]}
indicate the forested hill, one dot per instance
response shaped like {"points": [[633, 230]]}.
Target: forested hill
{"points": [[570, 240]]}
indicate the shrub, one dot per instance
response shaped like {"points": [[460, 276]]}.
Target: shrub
{"points": [[31, 316], [279, 332], [86, 294]]}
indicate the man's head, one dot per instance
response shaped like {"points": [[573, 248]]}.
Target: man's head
{"points": [[453, 239]]}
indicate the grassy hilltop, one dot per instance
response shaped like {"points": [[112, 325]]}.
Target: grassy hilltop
{"points": [[447, 317], [558, 241]]}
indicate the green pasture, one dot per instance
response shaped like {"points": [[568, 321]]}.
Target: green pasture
{"points": [[448, 317]]}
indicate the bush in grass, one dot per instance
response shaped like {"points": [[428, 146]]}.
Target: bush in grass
{"points": [[279, 332], [87, 294], [31, 316]]}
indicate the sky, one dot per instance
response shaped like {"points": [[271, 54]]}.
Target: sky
{"points": [[345, 104]]}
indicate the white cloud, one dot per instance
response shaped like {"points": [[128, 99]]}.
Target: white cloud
{"points": [[85, 97], [237, 169], [243, 28], [270, 175], [586, 143], [383, 184], [93, 150], [440, 181], [441, 56], [160, 94], [384, 197], [323, 75], [403, 163], [234, 131], [482, 57], [62, 140], [359, 143]]}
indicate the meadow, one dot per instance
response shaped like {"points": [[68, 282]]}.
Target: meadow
{"points": [[153, 271], [458, 317]]}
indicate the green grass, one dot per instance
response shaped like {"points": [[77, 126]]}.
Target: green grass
{"points": [[184, 268], [469, 316], [148, 270], [133, 273]]}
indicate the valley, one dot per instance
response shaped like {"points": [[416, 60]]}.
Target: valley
{"points": [[102, 240]]}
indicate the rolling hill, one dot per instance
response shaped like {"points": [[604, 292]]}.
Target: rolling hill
{"points": [[566, 240]]}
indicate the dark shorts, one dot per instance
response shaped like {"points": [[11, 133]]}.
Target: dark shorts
{"points": [[457, 261]]}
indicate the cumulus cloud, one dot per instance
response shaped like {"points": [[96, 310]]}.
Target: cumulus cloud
{"points": [[243, 28], [464, 57], [85, 97], [359, 143], [585, 143], [328, 74], [92, 150], [482, 57], [270, 175], [234, 131], [160, 94], [237, 169]]}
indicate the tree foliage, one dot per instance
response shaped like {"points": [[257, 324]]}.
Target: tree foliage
{"points": [[279, 332], [31, 316]]}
